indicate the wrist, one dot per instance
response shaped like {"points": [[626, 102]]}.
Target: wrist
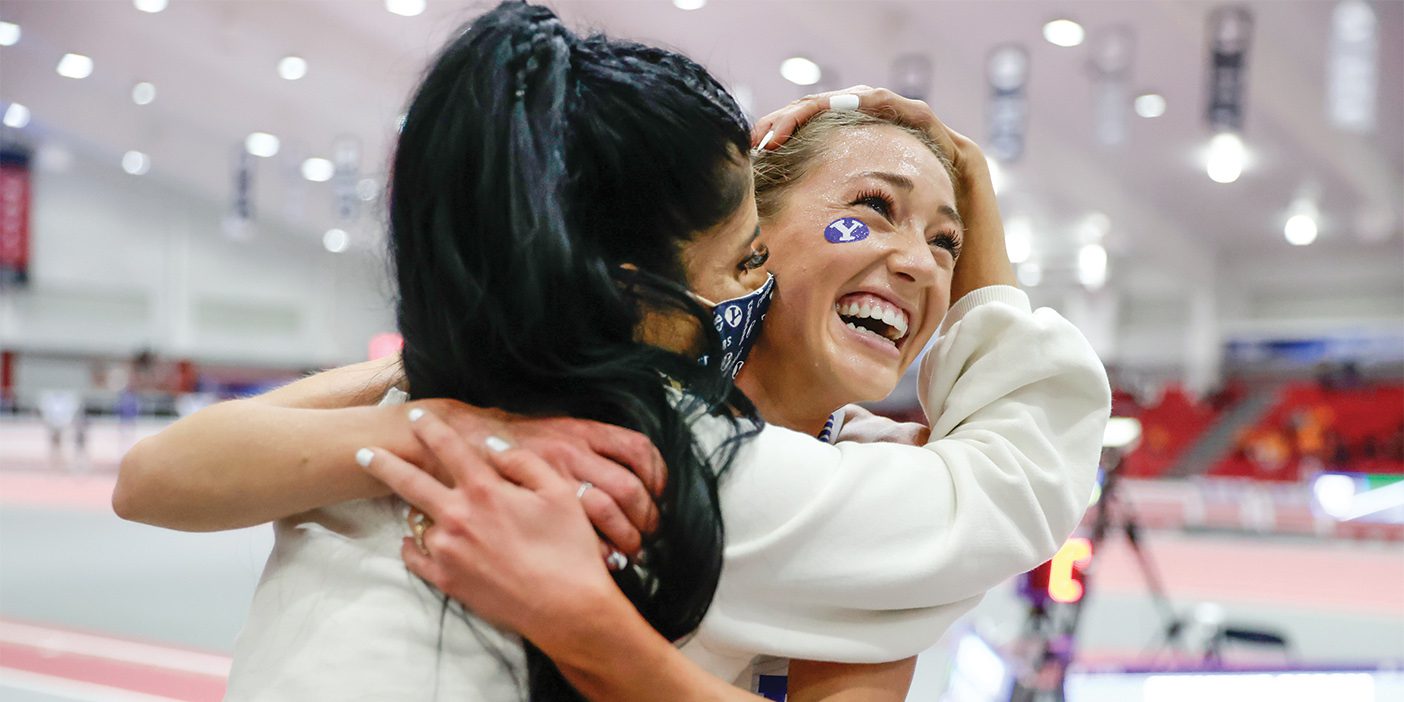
{"points": [[600, 618]]}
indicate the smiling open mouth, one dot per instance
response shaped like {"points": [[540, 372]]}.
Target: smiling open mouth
{"points": [[868, 313]]}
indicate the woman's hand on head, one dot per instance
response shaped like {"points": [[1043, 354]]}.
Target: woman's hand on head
{"points": [[780, 125], [623, 467], [510, 539]]}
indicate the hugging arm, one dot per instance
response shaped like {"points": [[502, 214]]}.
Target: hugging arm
{"points": [[245, 462]]}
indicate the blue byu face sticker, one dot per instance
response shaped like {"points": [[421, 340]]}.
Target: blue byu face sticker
{"points": [[842, 231]]}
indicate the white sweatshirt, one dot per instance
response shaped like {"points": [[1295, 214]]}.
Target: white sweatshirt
{"points": [[867, 553], [854, 552]]}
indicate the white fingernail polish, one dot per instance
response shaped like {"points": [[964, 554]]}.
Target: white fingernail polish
{"points": [[496, 444], [846, 102], [364, 457], [765, 140], [415, 414], [617, 561]]}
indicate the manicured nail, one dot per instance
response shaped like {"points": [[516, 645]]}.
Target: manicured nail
{"points": [[415, 414], [765, 140], [617, 561], [496, 444], [364, 457]]}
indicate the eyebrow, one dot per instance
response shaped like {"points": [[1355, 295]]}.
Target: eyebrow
{"points": [[901, 181]]}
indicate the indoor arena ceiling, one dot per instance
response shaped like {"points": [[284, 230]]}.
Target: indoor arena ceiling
{"points": [[213, 63]]}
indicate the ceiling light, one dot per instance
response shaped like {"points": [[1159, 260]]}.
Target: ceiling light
{"points": [[1030, 274], [16, 115], [1018, 239], [318, 170], [1300, 229], [1226, 158], [143, 93], [75, 66], [1092, 266], [405, 8], [152, 6], [136, 163], [262, 144], [1063, 32], [1150, 105], [800, 71], [689, 4], [292, 68], [335, 240], [367, 189], [9, 33]]}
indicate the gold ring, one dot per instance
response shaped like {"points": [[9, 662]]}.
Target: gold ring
{"points": [[419, 524]]}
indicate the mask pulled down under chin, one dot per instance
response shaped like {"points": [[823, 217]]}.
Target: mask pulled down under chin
{"points": [[738, 322]]}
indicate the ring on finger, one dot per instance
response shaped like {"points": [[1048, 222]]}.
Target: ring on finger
{"points": [[843, 102], [419, 524], [617, 561], [584, 487]]}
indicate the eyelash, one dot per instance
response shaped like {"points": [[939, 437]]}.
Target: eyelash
{"points": [[884, 204], [755, 260], [947, 241]]}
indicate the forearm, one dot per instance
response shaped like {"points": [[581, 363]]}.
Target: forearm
{"points": [[984, 259], [244, 462], [818, 681], [612, 654]]}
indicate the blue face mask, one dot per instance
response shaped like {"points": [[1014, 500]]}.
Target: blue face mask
{"points": [[738, 322]]}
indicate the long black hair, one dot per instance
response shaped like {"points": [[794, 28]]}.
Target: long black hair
{"points": [[532, 165]]}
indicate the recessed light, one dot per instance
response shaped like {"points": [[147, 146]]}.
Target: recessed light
{"points": [[318, 170], [800, 71], [152, 6], [136, 163], [1092, 266], [143, 93], [262, 144], [689, 4], [1064, 32], [1300, 230], [9, 33], [16, 116], [292, 68], [1150, 105], [75, 66], [405, 8], [336, 240], [1226, 158]]}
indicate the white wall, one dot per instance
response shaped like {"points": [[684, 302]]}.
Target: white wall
{"points": [[122, 262]]}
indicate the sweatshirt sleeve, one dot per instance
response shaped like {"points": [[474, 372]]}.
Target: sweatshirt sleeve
{"points": [[868, 552]]}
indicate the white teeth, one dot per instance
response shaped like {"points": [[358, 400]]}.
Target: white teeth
{"points": [[890, 315]]}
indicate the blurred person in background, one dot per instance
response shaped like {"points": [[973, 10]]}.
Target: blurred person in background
{"points": [[1050, 491]]}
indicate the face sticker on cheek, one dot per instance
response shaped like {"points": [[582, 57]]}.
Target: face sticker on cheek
{"points": [[845, 230]]}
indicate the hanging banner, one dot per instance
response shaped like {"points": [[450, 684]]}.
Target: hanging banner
{"points": [[1230, 35], [1353, 69], [238, 224], [347, 158], [1112, 53], [911, 76], [14, 218], [1008, 110]]}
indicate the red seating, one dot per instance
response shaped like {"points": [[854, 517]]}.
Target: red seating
{"points": [[1168, 429], [1312, 427]]}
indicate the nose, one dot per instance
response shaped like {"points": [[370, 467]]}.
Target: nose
{"points": [[910, 259]]}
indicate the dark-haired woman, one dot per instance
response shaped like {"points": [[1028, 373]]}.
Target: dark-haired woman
{"points": [[335, 617]]}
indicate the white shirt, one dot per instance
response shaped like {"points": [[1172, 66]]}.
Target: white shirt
{"points": [[851, 553]]}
